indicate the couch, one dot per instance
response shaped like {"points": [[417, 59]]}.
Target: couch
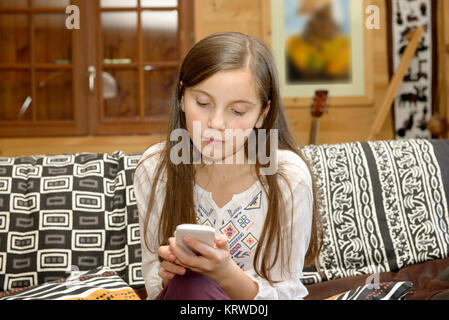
{"points": [[384, 209]]}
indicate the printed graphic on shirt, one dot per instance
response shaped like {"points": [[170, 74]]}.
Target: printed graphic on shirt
{"points": [[203, 212], [230, 231], [235, 248], [243, 221], [241, 265], [207, 223], [256, 202], [234, 213], [250, 241], [237, 225]]}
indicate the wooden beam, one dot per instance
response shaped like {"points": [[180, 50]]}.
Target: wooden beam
{"points": [[443, 29]]}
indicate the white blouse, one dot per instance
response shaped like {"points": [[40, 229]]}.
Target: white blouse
{"points": [[241, 220]]}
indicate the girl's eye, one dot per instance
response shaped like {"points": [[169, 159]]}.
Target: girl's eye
{"points": [[202, 104], [239, 113]]}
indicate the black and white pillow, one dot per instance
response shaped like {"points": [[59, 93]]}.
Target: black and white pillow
{"points": [[97, 284], [383, 291], [67, 212], [384, 205]]}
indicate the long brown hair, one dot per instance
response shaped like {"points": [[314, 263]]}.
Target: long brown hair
{"points": [[218, 52]]}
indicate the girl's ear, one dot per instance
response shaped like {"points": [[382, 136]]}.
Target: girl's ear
{"points": [[263, 115]]}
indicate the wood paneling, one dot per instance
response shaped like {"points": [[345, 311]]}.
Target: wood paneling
{"points": [[443, 59], [228, 15], [13, 147], [342, 123]]}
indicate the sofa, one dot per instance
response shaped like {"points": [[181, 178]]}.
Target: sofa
{"points": [[383, 206]]}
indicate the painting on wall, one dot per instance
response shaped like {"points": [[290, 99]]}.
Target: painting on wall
{"points": [[319, 44], [415, 96]]}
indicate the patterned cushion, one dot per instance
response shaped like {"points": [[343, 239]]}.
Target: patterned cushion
{"points": [[384, 291], [384, 205], [65, 212], [97, 284]]}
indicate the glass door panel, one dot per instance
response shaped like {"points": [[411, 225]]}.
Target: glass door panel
{"points": [[159, 85], [13, 3], [160, 35], [54, 95], [51, 3], [14, 38], [120, 93], [118, 3], [159, 3], [119, 37], [15, 95], [53, 39]]}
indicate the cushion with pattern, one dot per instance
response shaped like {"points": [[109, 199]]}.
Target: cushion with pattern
{"points": [[382, 291], [65, 212], [98, 284], [383, 205]]}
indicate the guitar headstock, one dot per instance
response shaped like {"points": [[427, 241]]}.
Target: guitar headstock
{"points": [[319, 104]]}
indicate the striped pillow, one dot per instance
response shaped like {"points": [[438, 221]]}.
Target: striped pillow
{"points": [[384, 291], [98, 284]]}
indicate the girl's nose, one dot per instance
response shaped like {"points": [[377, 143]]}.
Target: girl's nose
{"points": [[216, 120]]}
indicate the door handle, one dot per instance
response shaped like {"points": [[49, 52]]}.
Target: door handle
{"points": [[92, 75]]}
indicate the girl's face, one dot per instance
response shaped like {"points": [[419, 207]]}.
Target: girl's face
{"points": [[221, 111]]}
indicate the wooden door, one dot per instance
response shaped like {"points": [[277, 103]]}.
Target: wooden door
{"points": [[136, 51], [40, 70], [114, 75]]}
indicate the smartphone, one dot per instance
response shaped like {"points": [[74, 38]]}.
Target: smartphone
{"points": [[204, 234]]}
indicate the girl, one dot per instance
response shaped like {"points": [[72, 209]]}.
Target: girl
{"points": [[266, 225]]}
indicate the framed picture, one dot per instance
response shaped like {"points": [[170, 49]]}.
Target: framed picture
{"points": [[321, 45]]}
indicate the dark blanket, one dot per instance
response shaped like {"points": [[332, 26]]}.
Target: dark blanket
{"points": [[430, 281]]}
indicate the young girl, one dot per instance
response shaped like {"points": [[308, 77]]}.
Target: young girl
{"points": [[266, 224]]}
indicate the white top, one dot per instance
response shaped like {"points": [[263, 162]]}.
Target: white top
{"points": [[241, 220]]}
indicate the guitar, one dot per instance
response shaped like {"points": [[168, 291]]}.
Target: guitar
{"points": [[317, 109]]}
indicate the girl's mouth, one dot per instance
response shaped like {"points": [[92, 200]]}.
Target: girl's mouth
{"points": [[213, 141]]}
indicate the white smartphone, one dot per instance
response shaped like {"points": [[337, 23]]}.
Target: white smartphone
{"points": [[204, 234]]}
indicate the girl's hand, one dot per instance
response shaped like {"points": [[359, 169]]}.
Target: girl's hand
{"points": [[168, 268], [213, 262], [217, 264]]}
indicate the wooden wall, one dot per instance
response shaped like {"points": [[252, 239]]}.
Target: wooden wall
{"points": [[341, 124], [443, 58], [13, 147]]}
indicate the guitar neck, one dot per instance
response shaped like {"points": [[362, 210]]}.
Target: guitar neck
{"points": [[314, 130], [317, 108]]}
